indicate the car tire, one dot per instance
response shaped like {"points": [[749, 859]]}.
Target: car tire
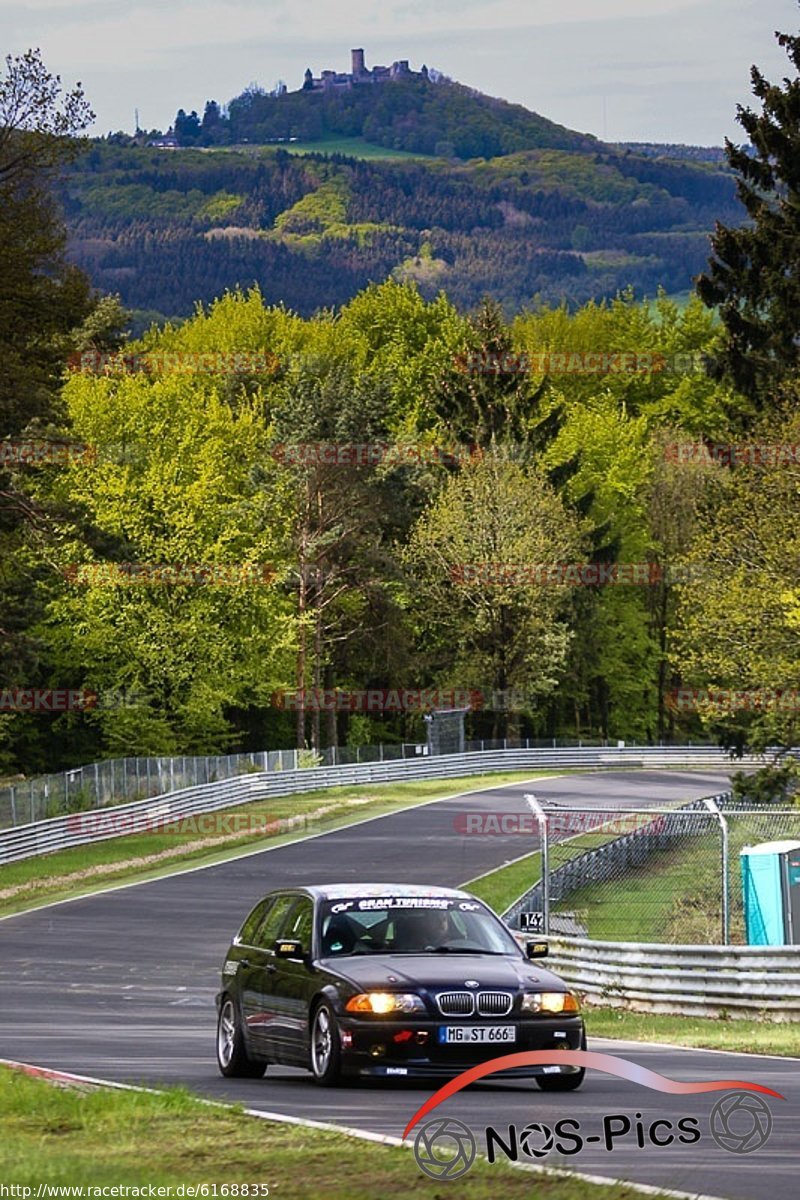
{"points": [[563, 1083], [326, 1048], [232, 1058]]}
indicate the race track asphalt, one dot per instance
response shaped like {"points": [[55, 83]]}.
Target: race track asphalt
{"points": [[120, 985]]}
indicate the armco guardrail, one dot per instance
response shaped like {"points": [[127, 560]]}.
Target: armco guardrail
{"points": [[702, 981], [124, 780], [58, 833]]}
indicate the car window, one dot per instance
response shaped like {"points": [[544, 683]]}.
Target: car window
{"points": [[248, 931], [272, 926], [299, 922], [411, 925]]}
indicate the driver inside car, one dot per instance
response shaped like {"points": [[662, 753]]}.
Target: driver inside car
{"points": [[423, 931]]}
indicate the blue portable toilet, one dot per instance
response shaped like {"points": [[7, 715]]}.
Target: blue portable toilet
{"points": [[771, 891]]}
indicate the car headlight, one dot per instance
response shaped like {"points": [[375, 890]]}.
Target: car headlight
{"points": [[550, 1002], [385, 1002]]}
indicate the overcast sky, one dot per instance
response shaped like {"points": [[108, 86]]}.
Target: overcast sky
{"points": [[628, 70]]}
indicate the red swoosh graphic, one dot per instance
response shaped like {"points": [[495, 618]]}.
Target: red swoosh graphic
{"points": [[609, 1063]]}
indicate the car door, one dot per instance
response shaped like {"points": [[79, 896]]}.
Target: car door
{"points": [[241, 961], [294, 983], [256, 974]]}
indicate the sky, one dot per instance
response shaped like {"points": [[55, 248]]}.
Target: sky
{"points": [[624, 70]]}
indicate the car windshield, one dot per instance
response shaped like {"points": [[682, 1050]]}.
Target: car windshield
{"points": [[411, 925]]}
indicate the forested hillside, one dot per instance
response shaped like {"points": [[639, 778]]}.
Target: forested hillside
{"points": [[414, 115], [166, 229], [397, 497], [578, 517]]}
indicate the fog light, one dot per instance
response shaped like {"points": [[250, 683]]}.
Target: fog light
{"points": [[422, 1037], [377, 1051]]}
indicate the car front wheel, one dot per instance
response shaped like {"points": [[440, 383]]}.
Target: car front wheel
{"points": [[232, 1057], [326, 1052]]}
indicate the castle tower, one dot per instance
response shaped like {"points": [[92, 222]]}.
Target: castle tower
{"points": [[357, 62]]}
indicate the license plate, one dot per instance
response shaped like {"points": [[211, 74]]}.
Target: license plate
{"points": [[473, 1034]]}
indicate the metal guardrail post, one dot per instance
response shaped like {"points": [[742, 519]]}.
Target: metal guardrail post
{"points": [[711, 804], [541, 817]]}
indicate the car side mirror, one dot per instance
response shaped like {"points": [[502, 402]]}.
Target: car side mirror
{"points": [[289, 948], [536, 949]]}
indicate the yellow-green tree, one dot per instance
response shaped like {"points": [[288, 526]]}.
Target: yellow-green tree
{"points": [[481, 625]]}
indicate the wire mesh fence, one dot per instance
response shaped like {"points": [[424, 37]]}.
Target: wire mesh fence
{"points": [[120, 780], [654, 875]]}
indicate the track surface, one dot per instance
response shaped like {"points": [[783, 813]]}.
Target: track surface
{"points": [[121, 985]]}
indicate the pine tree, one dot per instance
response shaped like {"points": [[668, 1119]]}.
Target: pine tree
{"points": [[754, 273]]}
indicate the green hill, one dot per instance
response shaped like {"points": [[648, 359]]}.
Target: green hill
{"points": [[166, 229], [414, 115], [424, 180]]}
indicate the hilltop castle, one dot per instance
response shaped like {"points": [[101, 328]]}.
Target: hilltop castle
{"points": [[361, 74]]}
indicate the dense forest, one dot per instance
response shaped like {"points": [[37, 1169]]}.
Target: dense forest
{"points": [[167, 229], [329, 483], [437, 561]]}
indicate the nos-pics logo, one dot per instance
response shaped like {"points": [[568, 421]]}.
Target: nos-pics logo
{"points": [[445, 1148]]}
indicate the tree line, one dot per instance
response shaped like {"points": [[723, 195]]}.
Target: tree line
{"points": [[583, 516], [164, 230], [414, 115]]}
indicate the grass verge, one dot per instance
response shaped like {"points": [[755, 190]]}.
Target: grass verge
{"points": [[676, 896], [502, 887], [738, 1036], [69, 1137], [225, 834]]}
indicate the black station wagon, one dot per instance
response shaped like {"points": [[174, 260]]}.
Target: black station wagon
{"points": [[388, 980]]}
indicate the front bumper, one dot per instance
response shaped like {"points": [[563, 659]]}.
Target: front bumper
{"points": [[410, 1047]]}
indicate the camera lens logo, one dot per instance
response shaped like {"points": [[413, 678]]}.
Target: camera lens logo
{"points": [[536, 1140], [740, 1122], [444, 1148]]}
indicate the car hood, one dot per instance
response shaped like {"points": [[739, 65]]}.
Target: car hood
{"points": [[396, 971]]}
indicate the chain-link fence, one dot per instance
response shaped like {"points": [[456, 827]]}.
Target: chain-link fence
{"points": [[655, 875], [119, 780]]}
